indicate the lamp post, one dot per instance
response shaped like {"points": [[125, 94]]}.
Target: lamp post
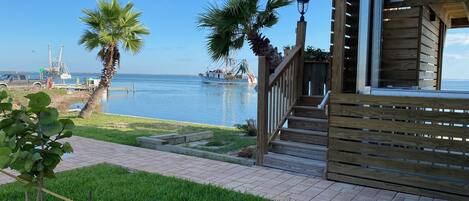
{"points": [[302, 8]]}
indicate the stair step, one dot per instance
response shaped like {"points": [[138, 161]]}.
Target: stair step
{"points": [[304, 136], [311, 100], [298, 149], [295, 164], [309, 111], [308, 123]]}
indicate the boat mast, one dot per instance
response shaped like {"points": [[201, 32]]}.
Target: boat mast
{"points": [[50, 57]]}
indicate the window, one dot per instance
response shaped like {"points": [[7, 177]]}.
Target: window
{"points": [[456, 60]]}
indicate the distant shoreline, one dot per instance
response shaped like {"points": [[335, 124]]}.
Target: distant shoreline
{"points": [[152, 74], [98, 73]]}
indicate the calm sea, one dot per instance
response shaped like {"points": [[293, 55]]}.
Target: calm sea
{"points": [[182, 98], [186, 98]]}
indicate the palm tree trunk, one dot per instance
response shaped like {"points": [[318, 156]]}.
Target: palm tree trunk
{"points": [[106, 76], [261, 46]]}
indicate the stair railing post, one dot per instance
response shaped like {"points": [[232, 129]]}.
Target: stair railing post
{"points": [[262, 110], [300, 41]]}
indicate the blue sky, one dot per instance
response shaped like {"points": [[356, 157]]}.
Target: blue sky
{"points": [[175, 46]]}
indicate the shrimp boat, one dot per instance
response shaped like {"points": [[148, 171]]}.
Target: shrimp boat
{"points": [[233, 73]]}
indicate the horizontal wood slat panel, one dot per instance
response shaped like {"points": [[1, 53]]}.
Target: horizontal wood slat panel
{"points": [[397, 178], [421, 144], [401, 101], [393, 186], [394, 152], [404, 13], [435, 130], [403, 140], [400, 114], [417, 169]]}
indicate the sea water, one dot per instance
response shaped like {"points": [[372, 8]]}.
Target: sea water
{"points": [[182, 98], [186, 98]]}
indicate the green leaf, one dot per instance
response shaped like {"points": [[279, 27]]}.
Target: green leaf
{"points": [[38, 101], [52, 159], [67, 124], [6, 106], [56, 151], [28, 165], [51, 129], [36, 156], [55, 144], [15, 129], [48, 173], [3, 95], [67, 148], [12, 143], [4, 156], [67, 134], [31, 160], [48, 116], [6, 122]]}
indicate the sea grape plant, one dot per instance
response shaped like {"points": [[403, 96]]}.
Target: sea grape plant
{"points": [[31, 138]]}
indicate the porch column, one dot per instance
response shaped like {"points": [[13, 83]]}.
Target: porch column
{"points": [[300, 41], [262, 110], [338, 43]]}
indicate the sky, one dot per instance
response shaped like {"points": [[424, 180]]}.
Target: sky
{"points": [[175, 46]]}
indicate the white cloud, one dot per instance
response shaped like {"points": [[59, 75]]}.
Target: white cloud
{"points": [[457, 39]]}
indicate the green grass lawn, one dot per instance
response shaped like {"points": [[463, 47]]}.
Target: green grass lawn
{"points": [[117, 184], [125, 130]]}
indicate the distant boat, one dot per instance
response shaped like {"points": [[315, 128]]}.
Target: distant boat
{"points": [[230, 74], [56, 67]]}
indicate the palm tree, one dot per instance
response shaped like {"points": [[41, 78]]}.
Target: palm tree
{"points": [[240, 20], [110, 27]]}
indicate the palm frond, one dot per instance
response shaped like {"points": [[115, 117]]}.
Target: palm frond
{"points": [[113, 24]]}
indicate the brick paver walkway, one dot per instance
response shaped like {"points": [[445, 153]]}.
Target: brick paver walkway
{"points": [[270, 183]]}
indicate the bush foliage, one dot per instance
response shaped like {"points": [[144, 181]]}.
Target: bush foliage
{"points": [[30, 137]]}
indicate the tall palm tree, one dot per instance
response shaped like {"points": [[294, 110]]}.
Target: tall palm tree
{"points": [[240, 20], [110, 27]]}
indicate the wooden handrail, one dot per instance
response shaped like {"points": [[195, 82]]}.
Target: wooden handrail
{"points": [[284, 119], [285, 63], [277, 95]]}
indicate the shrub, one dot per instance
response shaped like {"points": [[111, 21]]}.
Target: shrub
{"points": [[249, 128], [30, 137]]}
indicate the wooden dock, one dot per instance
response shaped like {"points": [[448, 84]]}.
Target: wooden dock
{"points": [[80, 87]]}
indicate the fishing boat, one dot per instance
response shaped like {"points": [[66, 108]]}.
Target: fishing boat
{"points": [[56, 68], [232, 73]]}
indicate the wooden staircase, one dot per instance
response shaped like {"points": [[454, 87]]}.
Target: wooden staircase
{"points": [[302, 144], [292, 125]]}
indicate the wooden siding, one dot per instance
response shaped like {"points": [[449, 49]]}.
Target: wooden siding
{"points": [[429, 65], [348, 53], [407, 144], [411, 47], [400, 46]]}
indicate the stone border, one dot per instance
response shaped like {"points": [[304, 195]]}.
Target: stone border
{"points": [[169, 143], [204, 154]]}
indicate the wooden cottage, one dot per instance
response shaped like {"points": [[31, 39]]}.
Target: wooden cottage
{"points": [[382, 120]]}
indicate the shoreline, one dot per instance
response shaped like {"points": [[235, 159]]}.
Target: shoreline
{"points": [[168, 120]]}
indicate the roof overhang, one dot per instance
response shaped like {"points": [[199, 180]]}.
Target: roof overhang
{"points": [[455, 13]]}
